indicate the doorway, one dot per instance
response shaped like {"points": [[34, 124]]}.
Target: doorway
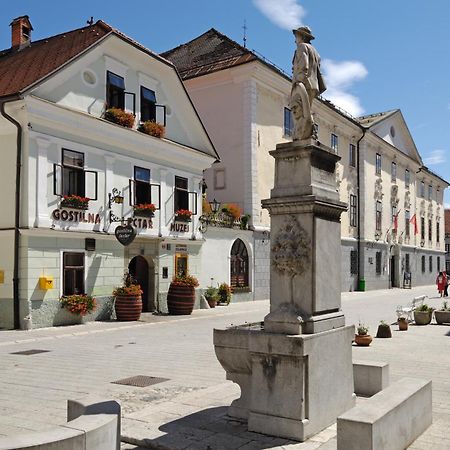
{"points": [[139, 269], [392, 271]]}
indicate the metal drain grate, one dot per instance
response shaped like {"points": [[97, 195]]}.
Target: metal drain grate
{"points": [[140, 381], [30, 352]]}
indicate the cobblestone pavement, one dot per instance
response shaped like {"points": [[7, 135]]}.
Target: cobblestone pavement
{"points": [[189, 410]]}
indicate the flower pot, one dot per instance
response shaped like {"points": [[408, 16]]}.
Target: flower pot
{"points": [[128, 307], [143, 213], [180, 299], [182, 219], [402, 324], [212, 302], [363, 340], [442, 317], [384, 331], [422, 317]]}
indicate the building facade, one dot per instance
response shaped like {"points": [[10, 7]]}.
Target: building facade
{"points": [[70, 177], [394, 223]]}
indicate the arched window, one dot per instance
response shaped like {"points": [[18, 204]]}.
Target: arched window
{"points": [[239, 264]]}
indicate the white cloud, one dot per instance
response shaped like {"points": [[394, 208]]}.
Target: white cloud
{"points": [[287, 14], [339, 77], [435, 157]]}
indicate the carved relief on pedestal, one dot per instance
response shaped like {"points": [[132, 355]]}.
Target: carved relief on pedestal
{"points": [[378, 194], [339, 174], [430, 211], [407, 200], [422, 208], [291, 250], [394, 195]]}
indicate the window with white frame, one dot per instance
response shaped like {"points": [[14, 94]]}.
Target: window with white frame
{"points": [[334, 142], [148, 105], [422, 189], [115, 91], [378, 164], [393, 172], [430, 192], [407, 224], [353, 206], [407, 179], [378, 216], [181, 194]]}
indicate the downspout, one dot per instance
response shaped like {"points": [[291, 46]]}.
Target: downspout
{"points": [[358, 183], [16, 300]]}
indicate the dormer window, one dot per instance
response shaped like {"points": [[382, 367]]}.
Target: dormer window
{"points": [[148, 105], [115, 91]]}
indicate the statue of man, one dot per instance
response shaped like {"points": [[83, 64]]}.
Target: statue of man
{"points": [[307, 83]]}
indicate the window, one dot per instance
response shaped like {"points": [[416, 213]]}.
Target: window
{"points": [[73, 173], [115, 91], [407, 225], [288, 122], [181, 197], [352, 155], [378, 216], [73, 273], [430, 192], [393, 172], [220, 179], [422, 189], [423, 263], [430, 263], [378, 263], [353, 262], [430, 230], [407, 263], [447, 248], [334, 142], [378, 164], [142, 186], [438, 232], [422, 228], [352, 210], [407, 179], [148, 105], [439, 263], [239, 264]]}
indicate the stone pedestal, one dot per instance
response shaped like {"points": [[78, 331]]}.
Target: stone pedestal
{"points": [[295, 370]]}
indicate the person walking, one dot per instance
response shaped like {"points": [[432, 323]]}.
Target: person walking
{"points": [[441, 282], [447, 282]]}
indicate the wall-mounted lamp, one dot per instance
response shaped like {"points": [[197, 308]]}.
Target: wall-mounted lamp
{"points": [[115, 197], [215, 206]]}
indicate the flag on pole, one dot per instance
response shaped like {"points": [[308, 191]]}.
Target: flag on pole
{"points": [[413, 220]]}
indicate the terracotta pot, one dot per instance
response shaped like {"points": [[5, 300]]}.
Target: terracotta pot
{"points": [[212, 302], [180, 299], [363, 340], [128, 307], [384, 331], [402, 325], [442, 317], [422, 317]]}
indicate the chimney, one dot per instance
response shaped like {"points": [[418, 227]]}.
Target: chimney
{"points": [[20, 32]]}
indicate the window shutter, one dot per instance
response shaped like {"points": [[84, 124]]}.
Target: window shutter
{"points": [[91, 184]]}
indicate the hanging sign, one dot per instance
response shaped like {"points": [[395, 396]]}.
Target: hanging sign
{"points": [[125, 234]]}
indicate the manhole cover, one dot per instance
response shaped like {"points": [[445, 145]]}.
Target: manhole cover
{"points": [[30, 352], [140, 381]]}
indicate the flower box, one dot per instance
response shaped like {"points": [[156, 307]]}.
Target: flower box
{"points": [[145, 210], [152, 128], [75, 202], [120, 117], [183, 215]]}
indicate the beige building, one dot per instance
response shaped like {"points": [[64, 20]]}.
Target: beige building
{"points": [[242, 100]]}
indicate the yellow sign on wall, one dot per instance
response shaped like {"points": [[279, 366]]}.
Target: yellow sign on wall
{"points": [[2, 276], [46, 283]]}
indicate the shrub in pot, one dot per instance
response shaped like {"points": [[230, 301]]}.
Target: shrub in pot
{"points": [[443, 315], [423, 314], [402, 323], [224, 293], [212, 296], [120, 117], [128, 299], [152, 128], [80, 304], [363, 338], [384, 330], [181, 295]]}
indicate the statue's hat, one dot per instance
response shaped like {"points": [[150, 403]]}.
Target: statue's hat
{"points": [[305, 32]]}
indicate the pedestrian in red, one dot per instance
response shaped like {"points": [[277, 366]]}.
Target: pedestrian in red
{"points": [[441, 281]]}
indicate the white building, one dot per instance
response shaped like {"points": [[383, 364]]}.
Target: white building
{"points": [[242, 99], [56, 143]]}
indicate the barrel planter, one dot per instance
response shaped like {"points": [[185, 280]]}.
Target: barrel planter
{"points": [[128, 307], [180, 299]]}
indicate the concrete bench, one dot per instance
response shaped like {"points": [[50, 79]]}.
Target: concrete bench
{"points": [[370, 377], [96, 428], [390, 420]]}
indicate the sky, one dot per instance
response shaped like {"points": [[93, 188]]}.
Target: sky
{"points": [[376, 56]]}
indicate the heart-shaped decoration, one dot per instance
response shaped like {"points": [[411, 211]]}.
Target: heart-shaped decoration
{"points": [[125, 234]]}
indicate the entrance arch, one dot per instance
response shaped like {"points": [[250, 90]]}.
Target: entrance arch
{"points": [[143, 273], [239, 266]]}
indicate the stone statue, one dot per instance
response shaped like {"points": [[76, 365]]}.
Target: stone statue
{"points": [[307, 83]]}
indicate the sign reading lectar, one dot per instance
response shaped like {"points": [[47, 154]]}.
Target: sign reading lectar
{"points": [[125, 234]]}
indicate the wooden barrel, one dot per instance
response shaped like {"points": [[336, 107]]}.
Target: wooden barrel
{"points": [[128, 307], [180, 299]]}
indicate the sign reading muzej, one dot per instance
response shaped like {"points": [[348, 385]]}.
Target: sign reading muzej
{"points": [[75, 216]]}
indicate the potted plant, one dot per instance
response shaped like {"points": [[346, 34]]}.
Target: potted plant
{"points": [[183, 215], [233, 210], [212, 296], [423, 314], [244, 221], [128, 299], [384, 330], [152, 128], [402, 323], [75, 202], [181, 295], [363, 338], [144, 210], [80, 304], [224, 294], [442, 315], [120, 117]]}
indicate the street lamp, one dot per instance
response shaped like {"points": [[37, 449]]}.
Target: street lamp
{"points": [[215, 206]]}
